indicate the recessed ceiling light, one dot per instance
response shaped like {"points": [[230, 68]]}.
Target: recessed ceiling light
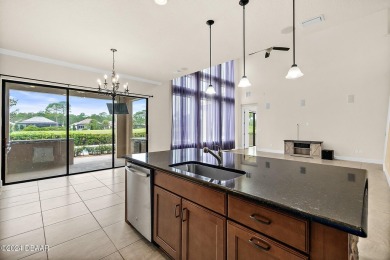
{"points": [[161, 2]]}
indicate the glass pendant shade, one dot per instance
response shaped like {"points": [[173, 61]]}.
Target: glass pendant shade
{"points": [[294, 72], [210, 90], [161, 2], [244, 82]]}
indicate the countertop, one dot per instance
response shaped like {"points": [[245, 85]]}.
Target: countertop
{"points": [[332, 195]]}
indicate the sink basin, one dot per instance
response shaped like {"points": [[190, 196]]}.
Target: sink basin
{"points": [[209, 171]]}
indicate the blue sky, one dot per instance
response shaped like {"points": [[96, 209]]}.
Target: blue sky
{"points": [[29, 101]]}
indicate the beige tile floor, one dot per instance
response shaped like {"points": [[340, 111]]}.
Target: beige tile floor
{"points": [[82, 216], [79, 217]]}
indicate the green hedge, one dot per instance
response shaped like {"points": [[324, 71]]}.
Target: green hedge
{"points": [[140, 132], [93, 150], [80, 138]]}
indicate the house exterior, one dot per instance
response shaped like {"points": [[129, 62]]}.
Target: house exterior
{"points": [[83, 124], [38, 121]]}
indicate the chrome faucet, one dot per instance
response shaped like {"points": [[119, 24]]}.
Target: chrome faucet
{"points": [[218, 157]]}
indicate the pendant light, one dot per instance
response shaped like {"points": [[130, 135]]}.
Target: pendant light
{"points": [[244, 82], [210, 89], [294, 72]]}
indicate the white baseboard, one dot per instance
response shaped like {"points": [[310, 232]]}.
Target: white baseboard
{"points": [[357, 159], [270, 150], [337, 157]]}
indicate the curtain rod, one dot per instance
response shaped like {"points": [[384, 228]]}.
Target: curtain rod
{"points": [[72, 85]]}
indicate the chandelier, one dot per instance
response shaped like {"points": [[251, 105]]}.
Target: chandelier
{"points": [[113, 89]]}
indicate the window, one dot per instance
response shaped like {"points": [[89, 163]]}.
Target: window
{"points": [[200, 119]]}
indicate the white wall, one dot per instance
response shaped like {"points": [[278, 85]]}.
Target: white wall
{"points": [[350, 59], [159, 105]]}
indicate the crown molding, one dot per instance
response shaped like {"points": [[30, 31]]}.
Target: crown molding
{"points": [[27, 56]]}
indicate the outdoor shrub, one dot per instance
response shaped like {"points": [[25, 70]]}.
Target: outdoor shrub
{"points": [[80, 138], [93, 149], [48, 128]]}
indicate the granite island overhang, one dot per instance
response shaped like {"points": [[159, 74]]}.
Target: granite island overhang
{"points": [[331, 195]]}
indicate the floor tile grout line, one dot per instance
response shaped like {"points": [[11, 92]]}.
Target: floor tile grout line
{"points": [[61, 206], [18, 205], [40, 211], [65, 220], [100, 226], [18, 188], [21, 233], [43, 224], [76, 237], [16, 195], [63, 195], [117, 251]]}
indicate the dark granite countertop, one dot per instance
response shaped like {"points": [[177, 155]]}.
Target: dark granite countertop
{"points": [[305, 142], [332, 195]]}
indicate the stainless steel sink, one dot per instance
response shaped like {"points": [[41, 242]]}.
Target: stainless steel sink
{"points": [[211, 171]]}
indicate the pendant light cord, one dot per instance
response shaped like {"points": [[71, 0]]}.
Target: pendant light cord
{"points": [[294, 32], [210, 54], [113, 61], [244, 35]]}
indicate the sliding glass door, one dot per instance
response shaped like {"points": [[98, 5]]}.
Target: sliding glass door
{"points": [[90, 131], [51, 131], [34, 132]]}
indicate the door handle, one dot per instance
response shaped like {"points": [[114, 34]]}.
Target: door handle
{"points": [[184, 214], [128, 169], [177, 211], [260, 219], [260, 244]]}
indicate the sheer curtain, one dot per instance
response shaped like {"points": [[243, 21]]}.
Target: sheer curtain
{"points": [[200, 119]]}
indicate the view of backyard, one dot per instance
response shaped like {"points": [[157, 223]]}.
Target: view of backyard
{"points": [[92, 133], [38, 136]]}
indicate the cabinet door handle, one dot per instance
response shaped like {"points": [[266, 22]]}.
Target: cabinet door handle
{"points": [[177, 211], [184, 214], [260, 219], [260, 244]]}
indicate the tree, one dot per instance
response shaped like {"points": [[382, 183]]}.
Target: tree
{"points": [[106, 124], [58, 108], [94, 125], [13, 102], [12, 113], [139, 119]]}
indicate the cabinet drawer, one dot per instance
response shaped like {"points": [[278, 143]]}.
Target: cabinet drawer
{"points": [[201, 195], [245, 244], [288, 229]]}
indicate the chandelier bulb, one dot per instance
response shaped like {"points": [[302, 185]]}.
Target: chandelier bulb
{"points": [[105, 76]]}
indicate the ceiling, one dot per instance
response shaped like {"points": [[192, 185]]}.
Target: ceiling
{"points": [[155, 41]]}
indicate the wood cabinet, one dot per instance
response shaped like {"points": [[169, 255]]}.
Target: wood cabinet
{"points": [[167, 221], [190, 223], [303, 148], [203, 233], [283, 227], [244, 244], [186, 230]]}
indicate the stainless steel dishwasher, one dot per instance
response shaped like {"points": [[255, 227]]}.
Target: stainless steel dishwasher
{"points": [[138, 199]]}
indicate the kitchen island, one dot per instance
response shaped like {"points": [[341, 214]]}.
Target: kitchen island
{"points": [[279, 208]]}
